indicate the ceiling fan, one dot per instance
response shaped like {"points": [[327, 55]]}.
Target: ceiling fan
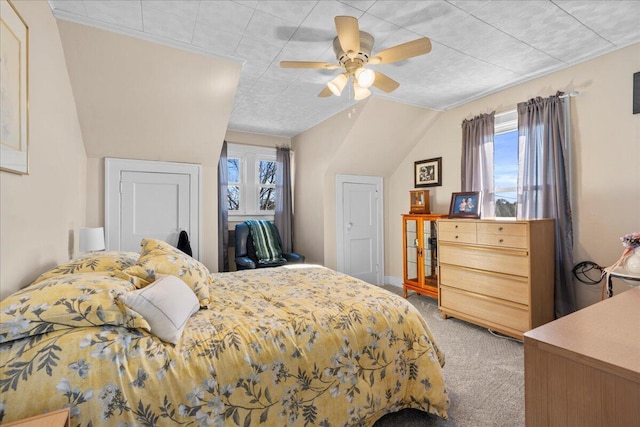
{"points": [[353, 51]]}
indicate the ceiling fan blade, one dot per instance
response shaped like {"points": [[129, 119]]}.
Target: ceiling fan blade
{"points": [[385, 83], [325, 93], [307, 64], [348, 34], [402, 51]]}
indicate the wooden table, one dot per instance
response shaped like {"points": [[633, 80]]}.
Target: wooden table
{"points": [[59, 418], [584, 369]]}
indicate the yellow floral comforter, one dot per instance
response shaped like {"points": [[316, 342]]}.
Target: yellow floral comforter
{"points": [[286, 346]]}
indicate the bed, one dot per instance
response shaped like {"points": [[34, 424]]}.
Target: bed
{"points": [[294, 345]]}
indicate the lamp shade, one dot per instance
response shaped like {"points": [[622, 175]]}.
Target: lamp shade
{"points": [[360, 92], [365, 77], [91, 239], [336, 85]]}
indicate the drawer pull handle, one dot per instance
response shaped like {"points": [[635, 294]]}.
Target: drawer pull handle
{"points": [[500, 229], [456, 237], [501, 240], [456, 226]]}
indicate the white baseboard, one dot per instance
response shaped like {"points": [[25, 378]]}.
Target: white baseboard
{"points": [[392, 280]]}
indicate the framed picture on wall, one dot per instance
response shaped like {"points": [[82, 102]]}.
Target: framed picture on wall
{"points": [[465, 205], [428, 173], [14, 86]]}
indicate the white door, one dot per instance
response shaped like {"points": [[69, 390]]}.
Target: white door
{"points": [[154, 205], [146, 199], [359, 227]]}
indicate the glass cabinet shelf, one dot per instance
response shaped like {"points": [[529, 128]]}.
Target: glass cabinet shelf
{"points": [[419, 235]]}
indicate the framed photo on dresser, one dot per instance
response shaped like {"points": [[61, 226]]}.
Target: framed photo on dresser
{"points": [[465, 205]]}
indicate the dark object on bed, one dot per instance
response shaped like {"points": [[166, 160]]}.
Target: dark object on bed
{"points": [[246, 257], [183, 243]]}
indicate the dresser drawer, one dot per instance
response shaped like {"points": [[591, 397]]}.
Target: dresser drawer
{"points": [[502, 235], [506, 261], [504, 241], [515, 229], [457, 231], [485, 308], [507, 287]]}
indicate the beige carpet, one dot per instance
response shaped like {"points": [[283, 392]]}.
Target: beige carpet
{"points": [[484, 374]]}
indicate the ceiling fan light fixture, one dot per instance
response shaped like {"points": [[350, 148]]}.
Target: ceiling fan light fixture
{"points": [[352, 48], [337, 85], [365, 77], [360, 92]]}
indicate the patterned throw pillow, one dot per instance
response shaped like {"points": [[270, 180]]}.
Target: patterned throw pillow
{"points": [[64, 302], [158, 257], [92, 262]]}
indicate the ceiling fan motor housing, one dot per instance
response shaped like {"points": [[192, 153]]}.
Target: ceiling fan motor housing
{"points": [[366, 44]]}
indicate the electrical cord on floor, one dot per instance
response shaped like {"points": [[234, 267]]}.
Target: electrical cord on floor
{"points": [[506, 337], [588, 272]]}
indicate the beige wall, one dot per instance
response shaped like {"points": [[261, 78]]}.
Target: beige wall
{"points": [[40, 213], [605, 158], [141, 100], [238, 137], [371, 141]]}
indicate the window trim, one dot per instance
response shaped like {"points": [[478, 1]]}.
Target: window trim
{"points": [[249, 156], [505, 122]]}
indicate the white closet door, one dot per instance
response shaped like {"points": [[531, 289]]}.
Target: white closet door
{"points": [[154, 205], [359, 227], [148, 199]]}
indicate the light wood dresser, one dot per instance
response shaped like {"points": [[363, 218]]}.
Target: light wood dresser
{"points": [[583, 369], [497, 273]]}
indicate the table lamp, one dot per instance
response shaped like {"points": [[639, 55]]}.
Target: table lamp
{"points": [[91, 239]]}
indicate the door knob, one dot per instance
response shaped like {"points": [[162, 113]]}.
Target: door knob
{"points": [[349, 225]]}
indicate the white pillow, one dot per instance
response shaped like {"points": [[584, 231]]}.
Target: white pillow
{"points": [[166, 304]]}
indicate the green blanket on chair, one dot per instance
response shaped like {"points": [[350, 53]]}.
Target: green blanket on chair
{"points": [[265, 241]]}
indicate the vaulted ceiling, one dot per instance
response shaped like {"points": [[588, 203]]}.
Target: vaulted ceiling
{"points": [[479, 47]]}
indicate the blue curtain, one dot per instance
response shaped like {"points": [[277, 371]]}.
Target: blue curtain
{"points": [[543, 189], [223, 213], [284, 200]]}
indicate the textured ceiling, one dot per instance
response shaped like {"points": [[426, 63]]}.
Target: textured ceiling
{"points": [[479, 47]]}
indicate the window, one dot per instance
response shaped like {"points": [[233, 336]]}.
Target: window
{"points": [[267, 185], [251, 189], [505, 164], [233, 190]]}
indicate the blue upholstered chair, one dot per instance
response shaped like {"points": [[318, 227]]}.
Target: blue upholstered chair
{"points": [[246, 257]]}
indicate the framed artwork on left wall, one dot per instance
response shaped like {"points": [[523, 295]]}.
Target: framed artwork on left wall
{"points": [[14, 90]]}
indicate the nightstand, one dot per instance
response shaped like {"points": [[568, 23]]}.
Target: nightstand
{"points": [[59, 418]]}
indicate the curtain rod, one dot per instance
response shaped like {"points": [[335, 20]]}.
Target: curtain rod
{"points": [[570, 94]]}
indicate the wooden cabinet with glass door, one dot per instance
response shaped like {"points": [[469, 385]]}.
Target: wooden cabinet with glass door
{"points": [[419, 253]]}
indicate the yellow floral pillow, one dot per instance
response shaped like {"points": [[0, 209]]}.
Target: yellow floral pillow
{"points": [[67, 301], [158, 257], [92, 262]]}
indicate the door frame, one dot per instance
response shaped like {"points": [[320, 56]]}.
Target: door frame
{"points": [[360, 179], [113, 169]]}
